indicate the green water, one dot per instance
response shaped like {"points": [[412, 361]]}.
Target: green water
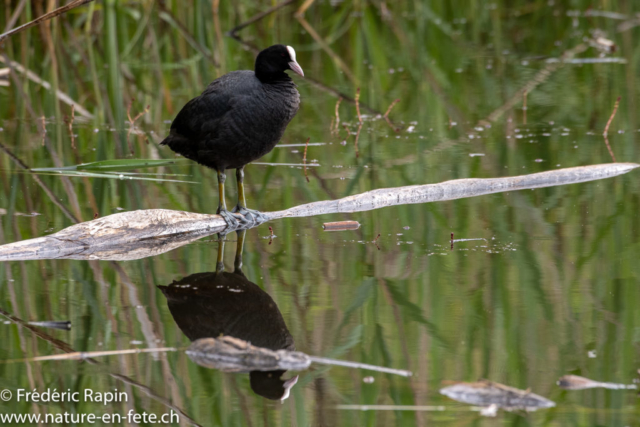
{"points": [[548, 287]]}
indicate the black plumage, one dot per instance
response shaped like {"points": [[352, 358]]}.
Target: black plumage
{"points": [[238, 118], [207, 305]]}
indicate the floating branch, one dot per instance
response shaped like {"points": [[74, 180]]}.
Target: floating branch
{"points": [[575, 382], [341, 226], [144, 233], [230, 354], [63, 325], [487, 393]]}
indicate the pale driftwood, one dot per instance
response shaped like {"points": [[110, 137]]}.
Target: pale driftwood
{"points": [[229, 354], [575, 382], [487, 393], [144, 233]]}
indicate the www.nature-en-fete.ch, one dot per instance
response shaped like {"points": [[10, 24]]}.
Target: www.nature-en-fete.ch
{"points": [[130, 417]]}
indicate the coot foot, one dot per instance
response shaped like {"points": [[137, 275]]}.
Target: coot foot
{"points": [[231, 220], [256, 217]]}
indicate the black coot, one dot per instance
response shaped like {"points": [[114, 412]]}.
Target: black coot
{"points": [[239, 118], [219, 303]]}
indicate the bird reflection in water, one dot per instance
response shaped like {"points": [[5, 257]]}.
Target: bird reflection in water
{"points": [[208, 305]]}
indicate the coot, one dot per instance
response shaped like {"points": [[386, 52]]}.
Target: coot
{"points": [[239, 118], [219, 303]]}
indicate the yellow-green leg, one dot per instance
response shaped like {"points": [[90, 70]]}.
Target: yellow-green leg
{"points": [[242, 202], [256, 217], [232, 221], [220, 262], [237, 264], [222, 204]]}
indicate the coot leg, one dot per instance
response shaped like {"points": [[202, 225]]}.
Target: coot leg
{"points": [[256, 217], [229, 218]]}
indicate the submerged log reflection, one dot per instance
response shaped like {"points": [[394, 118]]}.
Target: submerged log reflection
{"points": [[144, 233]]}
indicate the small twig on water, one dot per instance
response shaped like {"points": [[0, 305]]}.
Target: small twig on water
{"points": [[304, 159], [69, 122], [132, 121], [375, 241], [606, 129], [358, 104], [270, 235], [615, 110], [340, 225], [386, 115], [337, 118], [524, 107]]}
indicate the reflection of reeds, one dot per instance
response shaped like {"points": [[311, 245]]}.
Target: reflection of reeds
{"points": [[69, 121], [386, 115], [304, 159], [132, 122], [335, 124], [606, 128]]}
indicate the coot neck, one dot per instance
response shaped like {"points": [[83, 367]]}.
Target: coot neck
{"points": [[270, 76]]}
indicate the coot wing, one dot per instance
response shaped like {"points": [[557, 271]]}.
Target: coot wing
{"points": [[199, 117]]}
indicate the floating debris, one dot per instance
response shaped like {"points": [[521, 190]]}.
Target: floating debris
{"points": [[64, 325], [340, 225], [230, 354], [489, 411], [575, 382], [486, 393]]}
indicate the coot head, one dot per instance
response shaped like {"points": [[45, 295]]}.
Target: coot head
{"points": [[272, 62]]}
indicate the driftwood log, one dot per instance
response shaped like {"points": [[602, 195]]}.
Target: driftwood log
{"points": [[485, 393], [230, 354], [143, 233]]}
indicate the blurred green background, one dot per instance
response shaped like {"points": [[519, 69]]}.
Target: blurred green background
{"points": [[551, 289]]}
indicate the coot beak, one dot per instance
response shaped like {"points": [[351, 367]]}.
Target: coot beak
{"points": [[296, 68]]}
